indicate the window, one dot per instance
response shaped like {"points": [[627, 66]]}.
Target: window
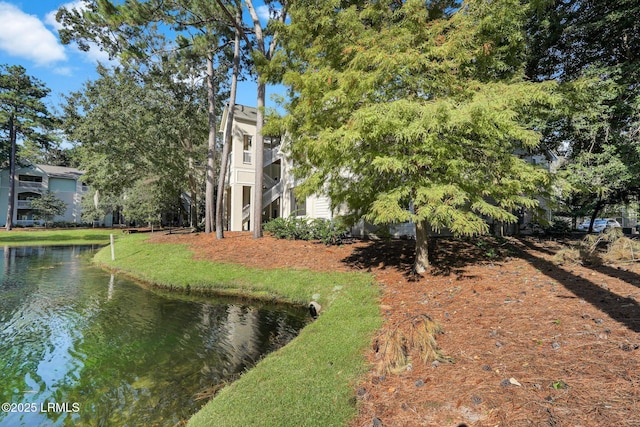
{"points": [[246, 150], [299, 205]]}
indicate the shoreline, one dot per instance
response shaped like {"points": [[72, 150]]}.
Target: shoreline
{"points": [[315, 372]]}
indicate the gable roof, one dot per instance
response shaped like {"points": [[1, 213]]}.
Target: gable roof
{"points": [[241, 112], [61, 171]]}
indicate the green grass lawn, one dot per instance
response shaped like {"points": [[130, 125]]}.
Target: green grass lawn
{"points": [[309, 382], [38, 237]]}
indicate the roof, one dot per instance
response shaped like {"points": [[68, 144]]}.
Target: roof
{"points": [[243, 112], [61, 171], [240, 112]]}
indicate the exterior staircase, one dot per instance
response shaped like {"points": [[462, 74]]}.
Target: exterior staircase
{"points": [[269, 196], [274, 188]]}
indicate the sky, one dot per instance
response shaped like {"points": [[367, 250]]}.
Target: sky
{"points": [[29, 37]]}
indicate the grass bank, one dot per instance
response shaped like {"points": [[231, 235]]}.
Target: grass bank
{"points": [[310, 381], [33, 237]]}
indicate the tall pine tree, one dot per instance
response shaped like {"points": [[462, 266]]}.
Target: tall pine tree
{"points": [[144, 34], [23, 116]]}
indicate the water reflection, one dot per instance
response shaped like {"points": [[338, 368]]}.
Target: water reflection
{"points": [[70, 333]]}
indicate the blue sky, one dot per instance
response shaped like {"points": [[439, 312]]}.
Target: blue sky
{"points": [[29, 37]]}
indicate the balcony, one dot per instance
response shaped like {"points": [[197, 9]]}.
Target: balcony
{"points": [[31, 185], [24, 204], [272, 155]]}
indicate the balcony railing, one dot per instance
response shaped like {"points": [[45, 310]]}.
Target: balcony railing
{"points": [[271, 156], [31, 185], [24, 204]]}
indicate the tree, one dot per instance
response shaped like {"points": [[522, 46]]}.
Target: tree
{"points": [[228, 132], [598, 179], [412, 111], [23, 115], [131, 32], [132, 128], [263, 45], [593, 49], [95, 206], [112, 118], [145, 202], [47, 207]]}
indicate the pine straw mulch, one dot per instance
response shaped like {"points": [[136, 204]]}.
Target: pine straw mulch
{"points": [[532, 343]]}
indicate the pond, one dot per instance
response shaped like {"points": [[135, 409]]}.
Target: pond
{"points": [[79, 346]]}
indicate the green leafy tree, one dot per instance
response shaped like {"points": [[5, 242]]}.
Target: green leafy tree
{"points": [[593, 49], [412, 111], [95, 206], [23, 116], [112, 120], [48, 207], [598, 180], [131, 128], [145, 202], [191, 35]]}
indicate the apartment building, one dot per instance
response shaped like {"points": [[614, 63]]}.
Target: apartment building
{"points": [[33, 181]]}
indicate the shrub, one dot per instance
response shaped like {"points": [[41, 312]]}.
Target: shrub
{"points": [[287, 228], [329, 232], [558, 227], [63, 224]]}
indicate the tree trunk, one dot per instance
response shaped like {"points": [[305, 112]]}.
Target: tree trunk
{"points": [[228, 135], [422, 247], [595, 213], [256, 217], [193, 208], [256, 212], [12, 174], [193, 185], [211, 152]]}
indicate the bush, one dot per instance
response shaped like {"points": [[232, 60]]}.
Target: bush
{"points": [[63, 224], [288, 228], [302, 228], [558, 227]]}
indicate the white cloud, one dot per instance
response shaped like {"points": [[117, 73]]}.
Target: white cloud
{"points": [[96, 55], [63, 71], [263, 12], [26, 36]]}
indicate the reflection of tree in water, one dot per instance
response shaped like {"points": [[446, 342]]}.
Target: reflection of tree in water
{"points": [[243, 334], [34, 337], [127, 355]]}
